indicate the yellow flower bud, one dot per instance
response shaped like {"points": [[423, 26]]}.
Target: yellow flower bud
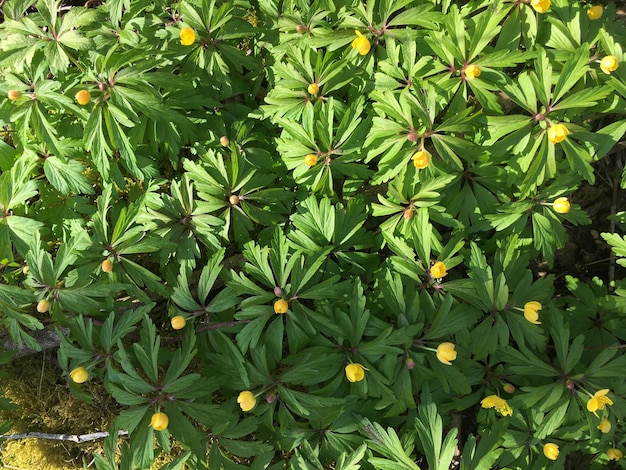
{"points": [[310, 159], [246, 400], [438, 270], [595, 12], [313, 88], [159, 421], [281, 306], [14, 95], [540, 6], [551, 451], [43, 306], [614, 454], [225, 141], [446, 353], [530, 311], [355, 372], [557, 133], [421, 159], [604, 426], [79, 375], [187, 36], [509, 388], [561, 205], [107, 266], [178, 322], [609, 64], [472, 71], [361, 44], [83, 97]]}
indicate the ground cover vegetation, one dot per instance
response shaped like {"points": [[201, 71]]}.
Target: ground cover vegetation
{"points": [[292, 234]]}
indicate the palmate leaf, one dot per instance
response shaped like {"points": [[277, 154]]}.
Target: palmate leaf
{"points": [[67, 177]]}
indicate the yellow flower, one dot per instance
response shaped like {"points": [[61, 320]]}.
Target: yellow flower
{"points": [[557, 133], [599, 401], [178, 322], [313, 88], [561, 205], [281, 306], [540, 6], [421, 159], [361, 43], [310, 159], [438, 270], [446, 353], [79, 375], [609, 64], [614, 454], [604, 426], [500, 404], [246, 400], [551, 451], [159, 421], [187, 36], [595, 12], [355, 372], [472, 71], [530, 311]]}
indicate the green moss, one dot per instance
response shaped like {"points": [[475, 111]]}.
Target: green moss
{"points": [[44, 404]]}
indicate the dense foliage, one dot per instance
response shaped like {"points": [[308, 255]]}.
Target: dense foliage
{"points": [[299, 234]]}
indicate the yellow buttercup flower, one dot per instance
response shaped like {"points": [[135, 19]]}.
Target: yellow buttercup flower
{"points": [[187, 36], [421, 159], [551, 451], [313, 88], [530, 311], [500, 404], [561, 205], [79, 375], [614, 454], [604, 426], [438, 270], [557, 133], [159, 421], [609, 64], [446, 353], [540, 6], [361, 43], [472, 71], [598, 401], [246, 400], [355, 372], [595, 12]]}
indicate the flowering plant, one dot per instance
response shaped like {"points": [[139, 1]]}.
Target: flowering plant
{"points": [[314, 234]]}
